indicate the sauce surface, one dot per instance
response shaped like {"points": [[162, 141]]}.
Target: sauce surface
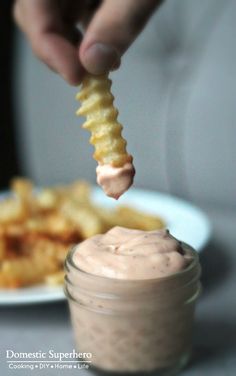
{"points": [[123, 253]]}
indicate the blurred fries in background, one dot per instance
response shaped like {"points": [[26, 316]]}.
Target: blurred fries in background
{"points": [[37, 228]]}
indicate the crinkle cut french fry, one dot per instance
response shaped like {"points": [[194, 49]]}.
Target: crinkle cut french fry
{"points": [[2, 250], [84, 218], [97, 105], [54, 225], [23, 189], [47, 199], [52, 251], [129, 217], [45, 258], [56, 278], [12, 210], [24, 271], [132, 218], [80, 192]]}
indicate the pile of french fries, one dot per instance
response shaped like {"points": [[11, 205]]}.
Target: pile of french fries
{"points": [[38, 227]]}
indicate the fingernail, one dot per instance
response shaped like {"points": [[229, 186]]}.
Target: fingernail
{"points": [[74, 75], [99, 58]]}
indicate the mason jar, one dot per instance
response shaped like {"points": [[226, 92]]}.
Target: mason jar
{"points": [[134, 326]]}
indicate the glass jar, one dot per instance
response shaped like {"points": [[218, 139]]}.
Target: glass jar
{"points": [[134, 326]]}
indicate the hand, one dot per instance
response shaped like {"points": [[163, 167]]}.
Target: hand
{"points": [[111, 27]]}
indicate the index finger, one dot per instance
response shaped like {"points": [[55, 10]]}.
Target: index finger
{"points": [[51, 40]]}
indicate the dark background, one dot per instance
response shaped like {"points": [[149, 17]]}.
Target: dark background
{"points": [[9, 164]]}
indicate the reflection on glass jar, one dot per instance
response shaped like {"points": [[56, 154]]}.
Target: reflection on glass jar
{"points": [[134, 325]]}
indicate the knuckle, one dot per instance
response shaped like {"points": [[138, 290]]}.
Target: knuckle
{"points": [[16, 11]]}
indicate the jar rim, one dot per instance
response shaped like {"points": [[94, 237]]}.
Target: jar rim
{"points": [[185, 246]]}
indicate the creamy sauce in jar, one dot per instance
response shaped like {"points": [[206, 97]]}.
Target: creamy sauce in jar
{"points": [[131, 254]]}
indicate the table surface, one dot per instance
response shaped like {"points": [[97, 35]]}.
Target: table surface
{"points": [[47, 326]]}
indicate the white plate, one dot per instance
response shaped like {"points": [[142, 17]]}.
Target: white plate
{"points": [[185, 221]]}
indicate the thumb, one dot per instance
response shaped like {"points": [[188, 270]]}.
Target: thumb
{"points": [[111, 31]]}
